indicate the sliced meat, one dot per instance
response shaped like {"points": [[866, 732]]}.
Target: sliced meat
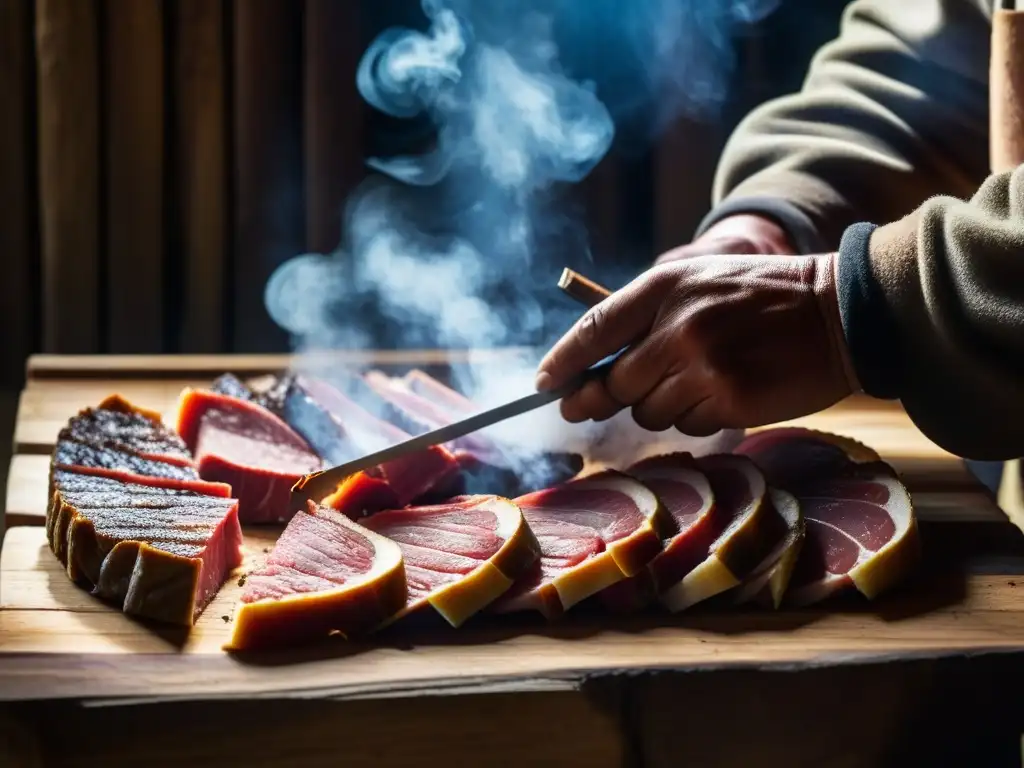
{"points": [[459, 556], [593, 532], [767, 584], [325, 575], [749, 535], [861, 528], [158, 553], [489, 467], [341, 430], [243, 444], [454, 403], [697, 521]]}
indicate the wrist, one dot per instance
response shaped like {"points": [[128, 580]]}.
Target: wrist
{"points": [[753, 233], [826, 282]]}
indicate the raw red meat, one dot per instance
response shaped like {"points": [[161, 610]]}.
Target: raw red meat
{"points": [[243, 444], [341, 430], [768, 583], [459, 556], [861, 528], [157, 552], [751, 531], [325, 575], [593, 532], [697, 521]]}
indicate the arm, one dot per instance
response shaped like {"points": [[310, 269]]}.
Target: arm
{"points": [[892, 111], [932, 307]]}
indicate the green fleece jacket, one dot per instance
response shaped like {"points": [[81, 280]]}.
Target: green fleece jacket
{"points": [[883, 157]]}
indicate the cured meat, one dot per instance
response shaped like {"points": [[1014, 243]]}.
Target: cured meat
{"points": [[593, 532], [751, 531], [861, 527], [325, 575], [487, 465], [767, 584], [459, 556], [157, 552], [243, 444], [696, 522], [341, 430]]}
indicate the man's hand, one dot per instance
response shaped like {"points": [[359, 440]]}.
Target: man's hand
{"points": [[740, 234], [714, 342]]}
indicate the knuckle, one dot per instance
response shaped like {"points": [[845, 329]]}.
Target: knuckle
{"points": [[591, 326]]}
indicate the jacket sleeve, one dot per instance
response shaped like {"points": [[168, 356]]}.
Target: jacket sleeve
{"points": [[932, 307], [892, 111]]}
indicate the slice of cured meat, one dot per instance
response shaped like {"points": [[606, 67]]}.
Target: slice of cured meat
{"points": [[341, 430], [861, 527], [767, 584], [459, 556], [325, 575], [593, 532], [243, 444], [697, 521], [157, 552], [454, 403], [750, 533]]}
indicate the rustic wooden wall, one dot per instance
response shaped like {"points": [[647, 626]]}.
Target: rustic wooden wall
{"points": [[159, 160]]}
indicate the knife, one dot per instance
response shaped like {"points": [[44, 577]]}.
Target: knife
{"points": [[316, 486]]}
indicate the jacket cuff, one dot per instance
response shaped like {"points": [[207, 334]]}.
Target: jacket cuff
{"points": [[796, 223], [871, 335]]}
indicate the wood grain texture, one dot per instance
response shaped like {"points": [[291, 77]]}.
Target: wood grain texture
{"points": [[268, 187], [69, 174], [133, 100], [17, 189], [200, 152], [333, 117]]}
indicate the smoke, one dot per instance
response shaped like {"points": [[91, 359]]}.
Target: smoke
{"points": [[461, 246]]}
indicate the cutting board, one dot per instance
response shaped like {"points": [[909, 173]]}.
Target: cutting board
{"points": [[56, 641]]}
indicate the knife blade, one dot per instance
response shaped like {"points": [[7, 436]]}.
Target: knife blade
{"points": [[318, 485]]}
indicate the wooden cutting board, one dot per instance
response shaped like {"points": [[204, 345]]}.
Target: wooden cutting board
{"points": [[56, 641]]}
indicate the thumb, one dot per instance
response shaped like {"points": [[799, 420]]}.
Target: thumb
{"points": [[606, 328]]}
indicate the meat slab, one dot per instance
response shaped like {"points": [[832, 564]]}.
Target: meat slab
{"points": [[861, 527], [160, 549], [325, 575], [750, 532], [241, 443], [696, 522], [459, 556], [768, 583], [593, 532]]}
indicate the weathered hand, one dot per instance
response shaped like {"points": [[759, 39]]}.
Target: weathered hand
{"points": [[714, 342], [739, 234]]}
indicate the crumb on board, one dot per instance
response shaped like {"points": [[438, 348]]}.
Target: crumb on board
{"points": [[266, 550], [241, 580], [225, 618]]}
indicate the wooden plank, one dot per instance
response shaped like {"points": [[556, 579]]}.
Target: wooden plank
{"points": [[541, 729], [268, 187], [46, 366], [18, 242], [69, 175], [25, 502], [133, 95], [202, 172], [333, 121]]}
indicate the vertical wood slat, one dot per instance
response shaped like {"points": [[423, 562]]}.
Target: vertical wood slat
{"points": [[268, 185], [69, 182], [17, 244], [685, 161], [133, 99], [200, 151], [333, 117]]}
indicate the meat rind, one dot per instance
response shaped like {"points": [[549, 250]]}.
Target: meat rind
{"points": [[686, 495], [458, 600], [351, 606], [767, 584], [157, 553], [751, 533], [245, 445], [613, 561]]}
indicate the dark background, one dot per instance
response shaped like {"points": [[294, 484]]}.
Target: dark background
{"points": [[159, 160]]}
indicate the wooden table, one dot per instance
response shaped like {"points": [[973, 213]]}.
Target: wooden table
{"points": [[714, 687]]}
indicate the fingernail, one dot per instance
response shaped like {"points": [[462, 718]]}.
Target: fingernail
{"points": [[543, 381]]}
